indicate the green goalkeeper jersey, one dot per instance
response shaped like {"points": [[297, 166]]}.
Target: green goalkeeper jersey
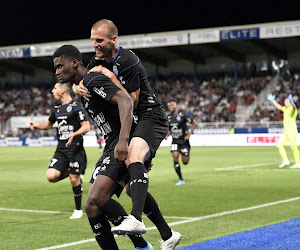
{"points": [[289, 119]]}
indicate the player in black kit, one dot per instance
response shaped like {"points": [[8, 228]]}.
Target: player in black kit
{"points": [[126, 71], [111, 110], [178, 128], [69, 158]]}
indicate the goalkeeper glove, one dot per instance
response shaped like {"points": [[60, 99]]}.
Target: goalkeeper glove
{"points": [[271, 98], [290, 97]]}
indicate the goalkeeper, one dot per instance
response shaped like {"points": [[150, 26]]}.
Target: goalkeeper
{"points": [[290, 131]]}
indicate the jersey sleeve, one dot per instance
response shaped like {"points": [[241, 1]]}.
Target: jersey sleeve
{"points": [[81, 115], [101, 86], [52, 117]]}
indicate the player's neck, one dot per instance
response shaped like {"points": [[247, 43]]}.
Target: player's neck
{"points": [[65, 99], [113, 54], [82, 71]]}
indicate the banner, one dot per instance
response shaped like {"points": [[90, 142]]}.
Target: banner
{"points": [[239, 34], [211, 36], [280, 31], [14, 53], [153, 41]]}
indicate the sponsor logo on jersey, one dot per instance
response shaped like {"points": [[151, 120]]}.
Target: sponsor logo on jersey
{"points": [[100, 92], [106, 160], [150, 99]]}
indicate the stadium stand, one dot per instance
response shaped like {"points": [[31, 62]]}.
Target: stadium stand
{"points": [[221, 75]]}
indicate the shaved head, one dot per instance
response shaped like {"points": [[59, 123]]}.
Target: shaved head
{"points": [[109, 25]]}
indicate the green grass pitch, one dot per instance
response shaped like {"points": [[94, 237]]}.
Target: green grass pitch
{"points": [[218, 179]]}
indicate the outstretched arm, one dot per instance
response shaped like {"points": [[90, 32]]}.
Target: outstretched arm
{"points": [[271, 98], [40, 125]]}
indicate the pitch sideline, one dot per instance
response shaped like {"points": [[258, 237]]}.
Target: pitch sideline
{"points": [[187, 220]]}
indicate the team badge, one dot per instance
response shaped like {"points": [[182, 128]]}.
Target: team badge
{"points": [[115, 70], [69, 109]]}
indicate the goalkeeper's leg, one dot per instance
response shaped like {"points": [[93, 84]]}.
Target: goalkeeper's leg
{"points": [[282, 152], [295, 150]]}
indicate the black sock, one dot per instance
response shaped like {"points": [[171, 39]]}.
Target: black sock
{"points": [[152, 211], [77, 195], [138, 187], [178, 170], [115, 214], [102, 231]]}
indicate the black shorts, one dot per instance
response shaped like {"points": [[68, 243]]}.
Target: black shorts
{"points": [[182, 148], [69, 159], [116, 170], [153, 129]]}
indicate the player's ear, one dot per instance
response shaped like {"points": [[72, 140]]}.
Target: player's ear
{"points": [[114, 39], [75, 63]]}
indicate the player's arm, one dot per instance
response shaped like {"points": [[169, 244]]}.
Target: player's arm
{"points": [[194, 126], [125, 106], [134, 95], [169, 133], [272, 98], [40, 125], [85, 127]]}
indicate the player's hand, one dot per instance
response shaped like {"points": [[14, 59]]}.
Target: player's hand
{"points": [[102, 70], [187, 137], [290, 97], [121, 151], [31, 125], [81, 90], [71, 137], [271, 98]]}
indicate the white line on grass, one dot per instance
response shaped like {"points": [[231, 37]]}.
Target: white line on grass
{"points": [[186, 221], [248, 166], [266, 170], [59, 212], [33, 211]]}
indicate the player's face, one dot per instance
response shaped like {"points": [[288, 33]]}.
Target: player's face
{"points": [[57, 91], [287, 102], [102, 43], [172, 106], [65, 69]]}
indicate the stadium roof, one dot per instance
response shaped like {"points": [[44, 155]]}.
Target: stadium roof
{"points": [[268, 41]]}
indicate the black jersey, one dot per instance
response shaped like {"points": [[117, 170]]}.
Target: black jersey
{"points": [[104, 113], [178, 126], [69, 118], [131, 73]]}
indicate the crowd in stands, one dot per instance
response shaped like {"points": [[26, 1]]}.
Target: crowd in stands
{"points": [[207, 99], [267, 112], [210, 99]]}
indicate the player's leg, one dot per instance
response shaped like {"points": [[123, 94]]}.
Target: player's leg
{"points": [[292, 138], [77, 191], [280, 145], [100, 195], [100, 225], [185, 152], [77, 167], [177, 167], [58, 168], [152, 211], [137, 153]]}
